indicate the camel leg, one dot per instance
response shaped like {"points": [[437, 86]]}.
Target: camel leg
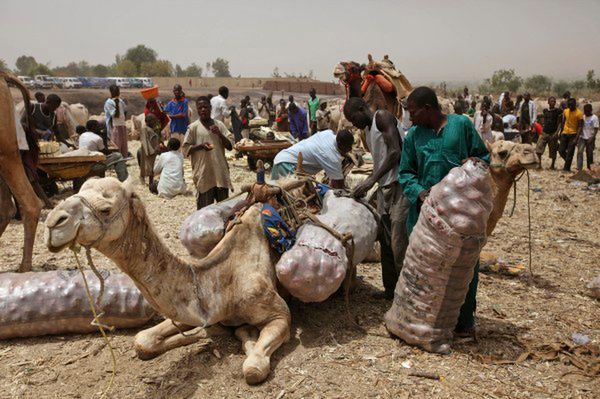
{"points": [[248, 335], [257, 365], [165, 336], [7, 207], [29, 205]]}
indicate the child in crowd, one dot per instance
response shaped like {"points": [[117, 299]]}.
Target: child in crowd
{"points": [[471, 110], [151, 146], [170, 167], [536, 129], [587, 137], [323, 116]]}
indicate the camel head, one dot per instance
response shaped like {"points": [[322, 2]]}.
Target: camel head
{"points": [[348, 71], [512, 157], [96, 216]]}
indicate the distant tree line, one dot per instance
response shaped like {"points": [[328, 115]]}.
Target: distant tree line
{"points": [[277, 74], [507, 79], [140, 60]]}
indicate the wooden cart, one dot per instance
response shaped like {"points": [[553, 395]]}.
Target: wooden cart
{"points": [[69, 168], [264, 150]]}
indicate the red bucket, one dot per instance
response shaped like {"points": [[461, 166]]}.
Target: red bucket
{"points": [[150, 93]]}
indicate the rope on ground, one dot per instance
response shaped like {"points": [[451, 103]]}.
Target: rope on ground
{"points": [[96, 321]]}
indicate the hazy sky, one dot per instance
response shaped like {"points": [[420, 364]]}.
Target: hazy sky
{"points": [[428, 40]]}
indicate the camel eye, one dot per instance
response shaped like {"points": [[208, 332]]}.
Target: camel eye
{"points": [[503, 153]]}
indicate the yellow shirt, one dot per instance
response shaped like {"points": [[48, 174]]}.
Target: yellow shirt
{"points": [[572, 120]]}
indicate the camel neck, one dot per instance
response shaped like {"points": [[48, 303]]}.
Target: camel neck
{"points": [[166, 281], [503, 182]]}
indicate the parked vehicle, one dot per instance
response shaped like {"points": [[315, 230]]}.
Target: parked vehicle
{"points": [[43, 81], [56, 82], [121, 82], [27, 81], [71, 83], [135, 83], [147, 82], [85, 81]]}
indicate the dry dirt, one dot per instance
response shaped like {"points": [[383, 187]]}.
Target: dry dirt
{"points": [[326, 356]]}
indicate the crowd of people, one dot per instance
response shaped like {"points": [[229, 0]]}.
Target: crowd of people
{"points": [[563, 128]]}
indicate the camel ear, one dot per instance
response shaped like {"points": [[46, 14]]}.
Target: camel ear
{"points": [[128, 185], [137, 206]]}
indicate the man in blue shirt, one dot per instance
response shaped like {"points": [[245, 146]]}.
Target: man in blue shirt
{"points": [[177, 109], [298, 121]]}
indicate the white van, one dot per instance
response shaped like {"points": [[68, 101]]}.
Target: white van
{"points": [[122, 82], [71, 83], [147, 82], [27, 81]]}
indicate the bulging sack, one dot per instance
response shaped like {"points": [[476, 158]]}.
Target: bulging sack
{"points": [[442, 252], [316, 265], [203, 229], [55, 302]]}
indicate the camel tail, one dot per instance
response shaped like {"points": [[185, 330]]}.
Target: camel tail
{"points": [[30, 127]]}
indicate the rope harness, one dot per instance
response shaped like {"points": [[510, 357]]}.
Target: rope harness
{"points": [[512, 211], [104, 223]]}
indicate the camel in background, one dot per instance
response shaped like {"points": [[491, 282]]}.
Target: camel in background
{"points": [[13, 178]]}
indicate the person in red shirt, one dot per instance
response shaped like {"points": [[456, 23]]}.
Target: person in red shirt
{"points": [[536, 129], [156, 108]]}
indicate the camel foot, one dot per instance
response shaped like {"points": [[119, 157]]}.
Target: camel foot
{"points": [[256, 369], [146, 352]]}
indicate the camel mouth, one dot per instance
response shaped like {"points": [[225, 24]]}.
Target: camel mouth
{"points": [[54, 248], [530, 165]]}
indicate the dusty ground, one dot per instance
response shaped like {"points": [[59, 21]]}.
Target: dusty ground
{"points": [[326, 356]]}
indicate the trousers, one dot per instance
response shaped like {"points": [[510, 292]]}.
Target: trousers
{"points": [[566, 149], [393, 237], [215, 194], [587, 146]]}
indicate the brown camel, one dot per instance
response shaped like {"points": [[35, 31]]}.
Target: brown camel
{"points": [[352, 75], [507, 160], [234, 285], [13, 178]]}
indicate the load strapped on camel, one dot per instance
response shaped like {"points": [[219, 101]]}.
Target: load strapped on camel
{"points": [[306, 223], [380, 84]]}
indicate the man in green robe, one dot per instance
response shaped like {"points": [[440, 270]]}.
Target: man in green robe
{"points": [[433, 146]]}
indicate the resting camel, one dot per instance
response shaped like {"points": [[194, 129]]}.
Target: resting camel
{"points": [[13, 178], [234, 285]]}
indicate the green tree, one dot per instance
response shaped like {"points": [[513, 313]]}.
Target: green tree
{"points": [[504, 79], [578, 84], [178, 70], [40, 69], [126, 68], [138, 55], [592, 83], [220, 68], [3, 66], [193, 70], [100, 71], [538, 84], [560, 87], [25, 64], [157, 68]]}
